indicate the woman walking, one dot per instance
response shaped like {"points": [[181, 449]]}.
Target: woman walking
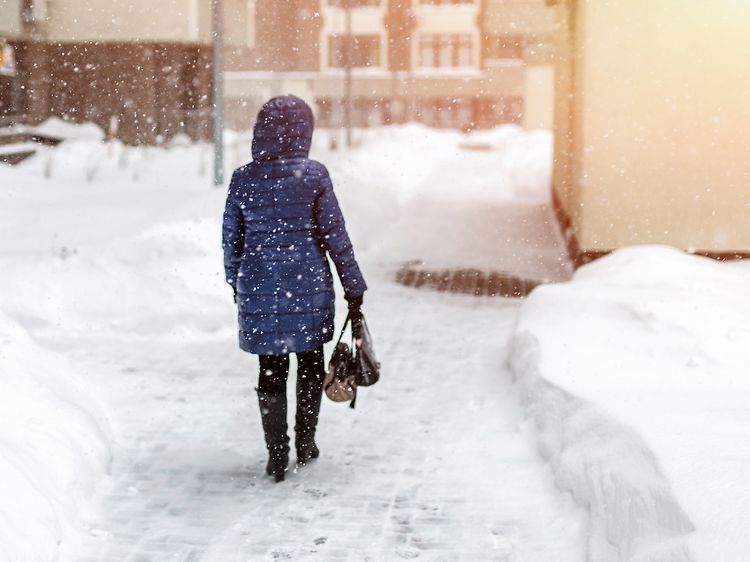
{"points": [[280, 220]]}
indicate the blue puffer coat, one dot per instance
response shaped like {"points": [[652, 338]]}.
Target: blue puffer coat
{"points": [[281, 218]]}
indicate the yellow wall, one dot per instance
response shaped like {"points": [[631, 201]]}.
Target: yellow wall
{"points": [[568, 100], [538, 96], [665, 124]]}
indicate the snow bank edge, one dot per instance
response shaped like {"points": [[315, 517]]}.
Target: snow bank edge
{"points": [[608, 468], [55, 447]]}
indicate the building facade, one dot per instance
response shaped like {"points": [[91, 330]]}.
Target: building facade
{"points": [[446, 63]]}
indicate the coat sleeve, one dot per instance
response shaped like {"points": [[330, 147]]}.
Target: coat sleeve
{"points": [[335, 240], [233, 236]]}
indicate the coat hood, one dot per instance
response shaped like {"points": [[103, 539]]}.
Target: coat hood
{"points": [[283, 129]]}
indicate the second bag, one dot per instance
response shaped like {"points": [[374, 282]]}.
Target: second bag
{"points": [[367, 366]]}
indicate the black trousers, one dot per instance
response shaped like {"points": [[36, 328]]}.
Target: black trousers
{"points": [[274, 371]]}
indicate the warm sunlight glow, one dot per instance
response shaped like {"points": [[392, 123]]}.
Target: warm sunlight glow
{"points": [[664, 110]]}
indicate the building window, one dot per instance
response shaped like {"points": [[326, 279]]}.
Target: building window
{"points": [[504, 46], [445, 50], [364, 49], [462, 46]]}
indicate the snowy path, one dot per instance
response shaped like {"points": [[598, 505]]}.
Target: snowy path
{"points": [[121, 273], [431, 465]]}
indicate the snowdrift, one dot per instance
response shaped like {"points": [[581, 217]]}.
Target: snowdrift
{"points": [[89, 252], [635, 374], [55, 439], [151, 282], [53, 447], [607, 466]]}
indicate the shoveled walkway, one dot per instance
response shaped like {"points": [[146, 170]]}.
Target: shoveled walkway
{"points": [[432, 465]]}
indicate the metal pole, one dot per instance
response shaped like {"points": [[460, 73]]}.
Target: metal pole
{"points": [[218, 90], [348, 79]]}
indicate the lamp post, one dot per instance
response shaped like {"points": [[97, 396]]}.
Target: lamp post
{"points": [[217, 13]]}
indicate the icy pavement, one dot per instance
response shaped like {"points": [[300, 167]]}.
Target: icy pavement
{"points": [[432, 465]]}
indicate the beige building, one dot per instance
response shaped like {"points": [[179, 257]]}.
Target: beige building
{"points": [[446, 63], [651, 127]]}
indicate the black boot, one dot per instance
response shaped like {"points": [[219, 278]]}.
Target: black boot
{"points": [[309, 394], [273, 417]]}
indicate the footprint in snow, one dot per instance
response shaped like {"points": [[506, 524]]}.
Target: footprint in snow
{"points": [[314, 492]]}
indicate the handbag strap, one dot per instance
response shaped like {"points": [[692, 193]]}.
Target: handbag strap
{"points": [[343, 329], [365, 328]]}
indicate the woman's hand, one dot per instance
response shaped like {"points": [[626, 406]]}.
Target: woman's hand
{"points": [[355, 315]]}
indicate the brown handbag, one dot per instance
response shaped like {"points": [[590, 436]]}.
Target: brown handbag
{"points": [[351, 366], [340, 384]]}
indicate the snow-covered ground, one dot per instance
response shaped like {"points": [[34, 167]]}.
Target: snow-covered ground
{"points": [[431, 465], [636, 373], [113, 307], [129, 431], [451, 200]]}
